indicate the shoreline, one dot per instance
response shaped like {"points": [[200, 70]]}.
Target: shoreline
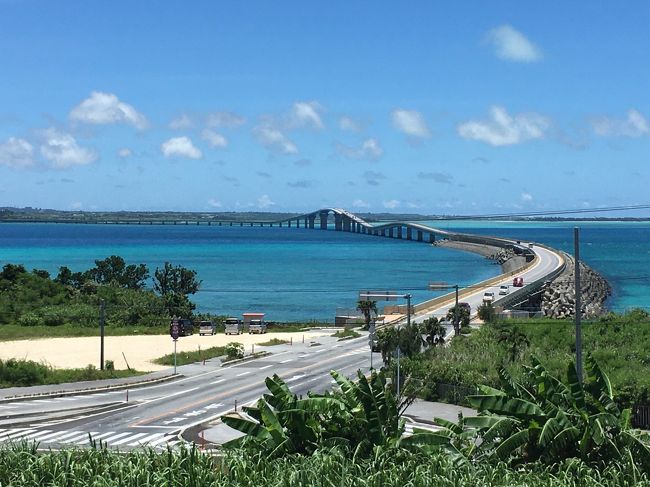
{"points": [[484, 250]]}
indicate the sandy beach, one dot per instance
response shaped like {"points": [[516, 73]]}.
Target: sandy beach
{"points": [[139, 350]]}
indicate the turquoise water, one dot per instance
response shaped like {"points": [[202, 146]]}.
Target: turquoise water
{"points": [[296, 274], [290, 274]]}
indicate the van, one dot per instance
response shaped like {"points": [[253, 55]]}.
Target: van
{"points": [[185, 327], [518, 281], [207, 328], [233, 326], [257, 326]]}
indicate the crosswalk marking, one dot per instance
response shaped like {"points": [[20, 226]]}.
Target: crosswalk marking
{"points": [[158, 440]]}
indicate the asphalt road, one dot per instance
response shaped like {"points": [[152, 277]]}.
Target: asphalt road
{"points": [[155, 415]]}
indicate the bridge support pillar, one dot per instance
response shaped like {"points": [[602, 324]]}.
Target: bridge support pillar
{"points": [[338, 222], [289, 223], [419, 235], [399, 231], [432, 237], [323, 220], [306, 223], [390, 232], [312, 218], [409, 233], [346, 224], [280, 224]]}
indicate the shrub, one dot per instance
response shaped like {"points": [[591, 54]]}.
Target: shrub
{"points": [[234, 350], [486, 312]]}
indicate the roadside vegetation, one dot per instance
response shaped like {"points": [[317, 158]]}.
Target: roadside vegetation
{"points": [[618, 342], [190, 357], [346, 334], [18, 373], [272, 342]]}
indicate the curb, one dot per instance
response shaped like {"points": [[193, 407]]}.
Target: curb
{"points": [[247, 358], [89, 390]]}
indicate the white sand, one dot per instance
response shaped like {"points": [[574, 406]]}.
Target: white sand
{"points": [[138, 349]]}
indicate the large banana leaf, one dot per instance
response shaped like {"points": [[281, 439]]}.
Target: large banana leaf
{"points": [[598, 380], [512, 443], [562, 445], [507, 406], [246, 426]]}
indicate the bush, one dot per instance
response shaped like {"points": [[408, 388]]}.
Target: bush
{"points": [[486, 312], [109, 365], [234, 350]]}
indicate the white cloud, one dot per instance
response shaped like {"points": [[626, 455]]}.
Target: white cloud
{"points": [[264, 201], [213, 138], [214, 203], [181, 122], [224, 119], [526, 196], [306, 114], [504, 129], [360, 204], [16, 153], [106, 108], [391, 204], [124, 152], [180, 147], [350, 124], [512, 45], [274, 139], [63, 151], [411, 123], [634, 125], [370, 149]]}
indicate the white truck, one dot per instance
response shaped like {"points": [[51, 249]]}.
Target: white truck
{"points": [[233, 326]]}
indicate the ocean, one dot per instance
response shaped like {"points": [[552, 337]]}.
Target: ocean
{"points": [[300, 274]]}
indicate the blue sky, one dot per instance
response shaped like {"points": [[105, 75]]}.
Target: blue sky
{"points": [[428, 107]]}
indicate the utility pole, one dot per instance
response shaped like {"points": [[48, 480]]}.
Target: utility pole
{"points": [[456, 318], [578, 304], [102, 319]]}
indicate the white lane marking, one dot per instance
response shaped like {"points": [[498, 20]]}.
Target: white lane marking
{"points": [[83, 436], [115, 437], [146, 439], [170, 395], [16, 435], [41, 401], [34, 436], [217, 381], [287, 361], [129, 438], [60, 435], [97, 437], [244, 373], [295, 377], [11, 405], [160, 440], [320, 350], [266, 366]]}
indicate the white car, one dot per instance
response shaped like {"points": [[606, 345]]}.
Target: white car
{"points": [[503, 290], [488, 297]]}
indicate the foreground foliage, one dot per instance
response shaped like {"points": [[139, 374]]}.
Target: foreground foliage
{"points": [[619, 343], [23, 466]]}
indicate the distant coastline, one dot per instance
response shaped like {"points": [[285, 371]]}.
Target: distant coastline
{"points": [[33, 215]]}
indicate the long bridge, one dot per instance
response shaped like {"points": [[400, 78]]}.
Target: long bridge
{"points": [[542, 264]]}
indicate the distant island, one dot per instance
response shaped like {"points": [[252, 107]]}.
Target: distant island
{"points": [[43, 215]]}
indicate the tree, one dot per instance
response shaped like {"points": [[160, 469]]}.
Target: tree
{"points": [[10, 272], [434, 330], [486, 312], [113, 271], [174, 283], [514, 340], [175, 280], [367, 308], [463, 317]]}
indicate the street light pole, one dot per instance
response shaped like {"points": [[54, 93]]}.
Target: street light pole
{"points": [[456, 319], [578, 304]]}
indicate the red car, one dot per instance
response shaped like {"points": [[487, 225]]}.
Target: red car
{"points": [[518, 282]]}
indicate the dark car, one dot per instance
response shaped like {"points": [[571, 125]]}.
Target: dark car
{"points": [[185, 327], [518, 282]]}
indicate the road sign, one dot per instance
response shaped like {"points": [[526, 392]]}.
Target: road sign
{"points": [[379, 295], [175, 330]]}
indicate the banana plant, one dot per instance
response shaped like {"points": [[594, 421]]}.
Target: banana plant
{"points": [[542, 419], [362, 415]]}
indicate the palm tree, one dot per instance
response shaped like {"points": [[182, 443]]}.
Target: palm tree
{"points": [[515, 341], [367, 308], [434, 330]]}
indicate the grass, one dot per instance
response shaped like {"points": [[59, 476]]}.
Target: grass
{"points": [[184, 358], [273, 341], [620, 344], [24, 466], [22, 373], [346, 334]]}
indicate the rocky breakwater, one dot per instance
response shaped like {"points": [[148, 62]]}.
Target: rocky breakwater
{"points": [[558, 300], [505, 257]]}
